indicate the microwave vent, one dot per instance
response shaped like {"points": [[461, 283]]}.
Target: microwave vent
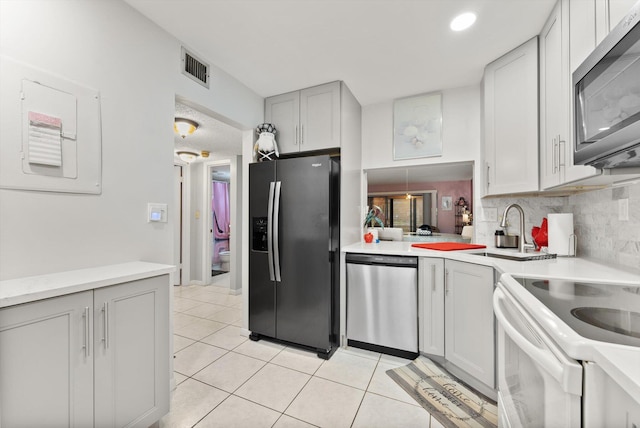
{"points": [[194, 68]]}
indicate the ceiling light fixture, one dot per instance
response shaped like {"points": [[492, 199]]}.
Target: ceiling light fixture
{"points": [[407, 183], [187, 156], [463, 21], [184, 127]]}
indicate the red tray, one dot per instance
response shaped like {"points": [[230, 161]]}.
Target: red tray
{"points": [[448, 246]]}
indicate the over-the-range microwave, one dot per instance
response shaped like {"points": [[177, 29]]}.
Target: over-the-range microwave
{"points": [[607, 99]]}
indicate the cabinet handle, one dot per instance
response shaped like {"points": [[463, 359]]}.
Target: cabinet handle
{"points": [[87, 326], [446, 282], [488, 179], [555, 154], [105, 313], [433, 278], [295, 142], [561, 143], [301, 134]]}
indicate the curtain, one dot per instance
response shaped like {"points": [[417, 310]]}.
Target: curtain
{"points": [[220, 209]]}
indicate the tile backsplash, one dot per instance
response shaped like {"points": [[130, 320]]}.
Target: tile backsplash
{"points": [[596, 215]]}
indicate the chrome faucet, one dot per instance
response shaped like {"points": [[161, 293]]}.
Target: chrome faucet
{"points": [[522, 243]]}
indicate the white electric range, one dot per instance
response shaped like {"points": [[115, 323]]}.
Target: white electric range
{"points": [[551, 335]]}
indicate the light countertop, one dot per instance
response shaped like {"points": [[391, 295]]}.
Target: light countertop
{"points": [[622, 363], [574, 268], [29, 289]]}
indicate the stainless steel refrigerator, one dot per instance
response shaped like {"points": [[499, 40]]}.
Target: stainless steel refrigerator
{"points": [[294, 215]]}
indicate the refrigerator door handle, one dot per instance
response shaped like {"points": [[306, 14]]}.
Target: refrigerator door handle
{"points": [[272, 186], [276, 231]]}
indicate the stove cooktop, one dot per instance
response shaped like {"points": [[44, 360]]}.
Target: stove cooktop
{"points": [[597, 311]]}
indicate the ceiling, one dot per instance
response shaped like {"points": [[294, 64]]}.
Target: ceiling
{"points": [[212, 135], [382, 49]]}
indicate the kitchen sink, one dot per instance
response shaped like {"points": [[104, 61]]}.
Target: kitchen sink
{"points": [[520, 257]]}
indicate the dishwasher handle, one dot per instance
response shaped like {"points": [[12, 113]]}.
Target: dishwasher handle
{"points": [[383, 260]]}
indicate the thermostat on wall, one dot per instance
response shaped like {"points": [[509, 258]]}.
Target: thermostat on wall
{"points": [[157, 213]]}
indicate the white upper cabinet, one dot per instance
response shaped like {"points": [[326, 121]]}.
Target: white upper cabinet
{"points": [[284, 112], [584, 31], [306, 120], [572, 32], [615, 11], [589, 22], [511, 121], [554, 98]]}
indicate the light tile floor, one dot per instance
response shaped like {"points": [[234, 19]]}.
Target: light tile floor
{"points": [[226, 380]]}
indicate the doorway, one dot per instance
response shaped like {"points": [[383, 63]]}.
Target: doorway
{"points": [[220, 231], [213, 142]]}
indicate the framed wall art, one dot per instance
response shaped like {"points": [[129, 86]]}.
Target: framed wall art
{"points": [[447, 203], [417, 126]]}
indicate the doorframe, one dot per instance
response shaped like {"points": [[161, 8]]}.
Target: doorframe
{"points": [[235, 209], [185, 276]]}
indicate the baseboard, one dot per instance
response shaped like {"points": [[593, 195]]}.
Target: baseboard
{"points": [[244, 332]]}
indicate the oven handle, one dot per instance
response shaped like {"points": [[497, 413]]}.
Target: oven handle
{"points": [[565, 374]]}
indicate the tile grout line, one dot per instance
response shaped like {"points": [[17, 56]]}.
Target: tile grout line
{"points": [[365, 391], [270, 361]]}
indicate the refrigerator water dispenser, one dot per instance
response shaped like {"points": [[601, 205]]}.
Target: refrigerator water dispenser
{"points": [[259, 234]]}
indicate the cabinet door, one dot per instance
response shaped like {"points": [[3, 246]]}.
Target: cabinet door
{"points": [[431, 306], [46, 368], [469, 320], [320, 117], [582, 29], [132, 353], [567, 38], [618, 9], [511, 121], [283, 111], [553, 100]]}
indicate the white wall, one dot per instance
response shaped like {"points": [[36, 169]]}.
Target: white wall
{"points": [[350, 168], [460, 131], [461, 135], [134, 64]]}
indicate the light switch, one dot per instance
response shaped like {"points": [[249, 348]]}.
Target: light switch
{"points": [[157, 213]]}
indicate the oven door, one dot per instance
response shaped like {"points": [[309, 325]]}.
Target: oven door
{"points": [[537, 384]]}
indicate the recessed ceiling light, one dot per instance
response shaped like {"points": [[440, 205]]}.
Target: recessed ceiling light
{"points": [[463, 21]]}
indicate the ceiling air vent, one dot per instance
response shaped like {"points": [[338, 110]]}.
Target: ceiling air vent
{"points": [[195, 69]]}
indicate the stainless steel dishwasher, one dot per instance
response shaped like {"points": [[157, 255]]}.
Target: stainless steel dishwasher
{"points": [[382, 303]]}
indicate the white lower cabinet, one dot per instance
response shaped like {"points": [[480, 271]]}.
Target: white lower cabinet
{"points": [[605, 402], [46, 373], [431, 306], [469, 320], [95, 358]]}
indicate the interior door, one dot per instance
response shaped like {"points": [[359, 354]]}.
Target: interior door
{"points": [[303, 296]]}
